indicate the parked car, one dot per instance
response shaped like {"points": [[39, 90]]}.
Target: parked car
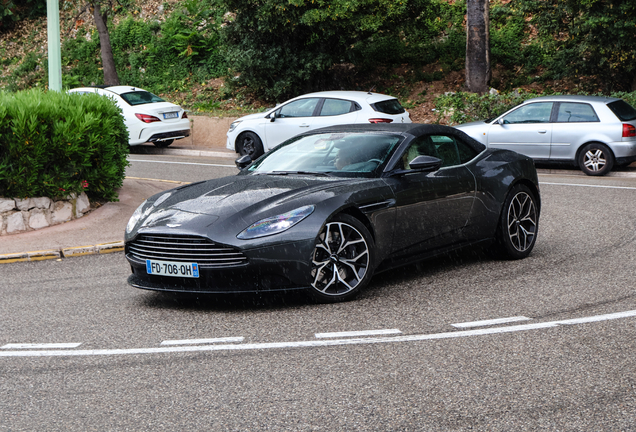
{"points": [[147, 117], [592, 132], [258, 133], [331, 207]]}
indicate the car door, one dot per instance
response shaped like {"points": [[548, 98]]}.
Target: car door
{"points": [[432, 208], [573, 124], [526, 130], [290, 120], [335, 112]]}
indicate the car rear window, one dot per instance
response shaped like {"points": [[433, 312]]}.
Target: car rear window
{"points": [[391, 106], [623, 110], [140, 98]]}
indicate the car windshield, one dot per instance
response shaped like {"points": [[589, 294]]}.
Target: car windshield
{"points": [[140, 97], [623, 110], [341, 154]]}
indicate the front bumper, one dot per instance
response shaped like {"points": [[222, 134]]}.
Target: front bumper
{"points": [[274, 268]]}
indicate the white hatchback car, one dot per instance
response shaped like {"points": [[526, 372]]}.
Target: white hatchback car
{"points": [[255, 134], [594, 133], [147, 117]]}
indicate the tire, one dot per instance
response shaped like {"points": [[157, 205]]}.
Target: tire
{"points": [[249, 143], [163, 144], [518, 224], [342, 261], [596, 159]]}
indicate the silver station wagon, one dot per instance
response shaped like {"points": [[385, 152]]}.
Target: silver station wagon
{"points": [[594, 133]]}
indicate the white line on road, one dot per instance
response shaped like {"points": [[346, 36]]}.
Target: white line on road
{"points": [[319, 343], [588, 185], [40, 345], [202, 341], [358, 333], [183, 163], [484, 323]]}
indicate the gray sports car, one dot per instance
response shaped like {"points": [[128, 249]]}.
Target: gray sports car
{"points": [[327, 209]]}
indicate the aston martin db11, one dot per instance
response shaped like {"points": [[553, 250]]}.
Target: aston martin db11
{"points": [[329, 208]]}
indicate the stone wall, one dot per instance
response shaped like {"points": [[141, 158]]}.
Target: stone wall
{"points": [[19, 215]]}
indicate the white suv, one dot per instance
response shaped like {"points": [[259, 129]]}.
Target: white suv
{"points": [[147, 117], [255, 134]]}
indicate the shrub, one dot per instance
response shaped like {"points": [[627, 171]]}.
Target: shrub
{"points": [[54, 144]]}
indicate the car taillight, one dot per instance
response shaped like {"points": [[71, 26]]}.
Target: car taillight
{"points": [[629, 131], [185, 115], [147, 118], [380, 120]]}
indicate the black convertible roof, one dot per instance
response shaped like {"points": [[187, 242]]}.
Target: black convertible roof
{"points": [[413, 129]]}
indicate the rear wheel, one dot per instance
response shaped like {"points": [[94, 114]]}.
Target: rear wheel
{"points": [[249, 143], [342, 261], [519, 223], [163, 144], [596, 159]]}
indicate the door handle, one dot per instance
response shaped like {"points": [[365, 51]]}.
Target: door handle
{"points": [[542, 131], [304, 125]]}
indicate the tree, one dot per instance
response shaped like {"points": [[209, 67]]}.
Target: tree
{"points": [[100, 15], [477, 46], [101, 22], [595, 39]]}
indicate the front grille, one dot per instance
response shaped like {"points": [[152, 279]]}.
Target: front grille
{"points": [[184, 248]]}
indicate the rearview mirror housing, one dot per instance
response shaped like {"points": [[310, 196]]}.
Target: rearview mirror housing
{"points": [[243, 162]]}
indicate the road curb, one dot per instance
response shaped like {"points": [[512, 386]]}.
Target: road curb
{"points": [[70, 252], [228, 154]]}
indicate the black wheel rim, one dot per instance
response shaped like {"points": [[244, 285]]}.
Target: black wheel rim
{"points": [[248, 146], [340, 260], [522, 221]]}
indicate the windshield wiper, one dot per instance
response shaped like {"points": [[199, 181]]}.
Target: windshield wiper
{"points": [[315, 173]]}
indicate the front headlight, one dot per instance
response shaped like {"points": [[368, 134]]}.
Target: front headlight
{"points": [[135, 217], [276, 224], [234, 125]]}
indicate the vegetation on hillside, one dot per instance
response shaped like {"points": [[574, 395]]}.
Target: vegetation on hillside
{"points": [[213, 55]]}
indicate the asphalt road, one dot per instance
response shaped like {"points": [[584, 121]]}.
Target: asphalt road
{"points": [[136, 360]]}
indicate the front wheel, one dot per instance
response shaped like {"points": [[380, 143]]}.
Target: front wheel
{"points": [[342, 261], [596, 159], [249, 143], [518, 224]]}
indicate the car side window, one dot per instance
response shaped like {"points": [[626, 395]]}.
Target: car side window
{"points": [[576, 112], [532, 113], [333, 107], [447, 148], [299, 108]]}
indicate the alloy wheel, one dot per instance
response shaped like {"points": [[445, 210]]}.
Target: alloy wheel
{"points": [[594, 159], [522, 221], [340, 260]]}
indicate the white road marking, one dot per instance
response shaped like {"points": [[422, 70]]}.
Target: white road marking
{"points": [[319, 343], [357, 333], [202, 341], [588, 185], [40, 345], [182, 163], [490, 322]]}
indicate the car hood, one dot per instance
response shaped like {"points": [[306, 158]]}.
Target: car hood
{"points": [[254, 116], [234, 196], [472, 125]]}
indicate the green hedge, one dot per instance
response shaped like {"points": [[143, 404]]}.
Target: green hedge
{"points": [[461, 107], [54, 144]]}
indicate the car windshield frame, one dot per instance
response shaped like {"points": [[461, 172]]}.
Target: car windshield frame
{"points": [[361, 153], [127, 97]]}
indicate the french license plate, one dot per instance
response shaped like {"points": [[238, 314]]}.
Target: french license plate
{"points": [[170, 115], [172, 268]]}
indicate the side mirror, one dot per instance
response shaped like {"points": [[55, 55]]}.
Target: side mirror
{"points": [[499, 121], [272, 116], [243, 162], [425, 163]]}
